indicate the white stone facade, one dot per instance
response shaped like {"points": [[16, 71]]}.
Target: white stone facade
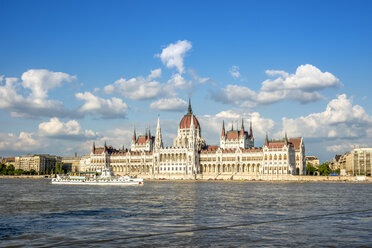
{"points": [[190, 156]]}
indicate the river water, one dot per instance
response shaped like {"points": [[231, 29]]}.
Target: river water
{"points": [[198, 214]]}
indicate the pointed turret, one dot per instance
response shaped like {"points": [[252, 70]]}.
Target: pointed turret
{"points": [[94, 147], [189, 110], [134, 135], [192, 126], [267, 140], [223, 129], [232, 126], [242, 128], [148, 134], [158, 138], [250, 129], [105, 147]]}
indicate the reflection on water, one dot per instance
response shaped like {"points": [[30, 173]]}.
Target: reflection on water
{"points": [[36, 213]]}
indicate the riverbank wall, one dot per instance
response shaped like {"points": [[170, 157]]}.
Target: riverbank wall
{"points": [[230, 177], [25, 176]]}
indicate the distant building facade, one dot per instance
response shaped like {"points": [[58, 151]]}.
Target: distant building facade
{"points": [[71, 163], [312, 160], [356, 162], [40, 163], [190, 155]]}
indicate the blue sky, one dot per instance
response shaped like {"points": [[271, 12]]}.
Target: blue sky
{"points": [[74, 72]]}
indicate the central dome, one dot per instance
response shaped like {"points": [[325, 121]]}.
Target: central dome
{"points": [[186, 120]]}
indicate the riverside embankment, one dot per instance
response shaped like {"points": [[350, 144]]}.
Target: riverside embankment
{"points": [[231, 178]]}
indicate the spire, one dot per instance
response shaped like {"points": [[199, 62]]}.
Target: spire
{"points": [[250, 129], [148, 134], [232, 126], [192, 126], [158, 138], [158, 125], [105, 147], [242, 128], [94, 147], [189, 110], [223, 129], [134, 135], [267, 140]]}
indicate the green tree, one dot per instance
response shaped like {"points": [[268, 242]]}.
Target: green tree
{"points": [[324, 169], [10, 169], [2, 169], [310, 169], [59, 168], [19, 172]]}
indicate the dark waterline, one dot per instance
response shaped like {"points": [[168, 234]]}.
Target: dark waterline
{"points": [[36, 213]]}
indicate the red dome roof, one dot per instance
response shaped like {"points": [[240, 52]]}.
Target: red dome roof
{"points": [[186, 121]]}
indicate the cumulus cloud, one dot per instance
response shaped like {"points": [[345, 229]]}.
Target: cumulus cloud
{"points": [[14, 97], [303, 87], [154, 74], [23, 142], [58, 129], [41, 81], [108, 108], [169, 104], [173, 55], [212, 125], [179, 82], [234, 71], [140, 88], [199, 79], [341, 119]]}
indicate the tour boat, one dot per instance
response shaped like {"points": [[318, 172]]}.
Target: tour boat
{"points": [[90, 178]]}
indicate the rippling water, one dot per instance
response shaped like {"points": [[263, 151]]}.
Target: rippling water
{"points": [[36, 213]]}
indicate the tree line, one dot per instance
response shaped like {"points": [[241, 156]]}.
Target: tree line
{"points": [[323, 169], [10, 170]]}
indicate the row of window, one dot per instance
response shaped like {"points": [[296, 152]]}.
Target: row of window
{"points": [[173, 169]]}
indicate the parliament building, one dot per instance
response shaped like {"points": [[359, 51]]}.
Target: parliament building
{"points": [[190, 156]]}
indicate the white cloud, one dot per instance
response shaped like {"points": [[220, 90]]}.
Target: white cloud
{"points": [[139, 88], [199, 79], [212, 125], [234, 71], [40, 81], [235, 94], [306, 78], [23, 142], [169, 104], [179, 82], [15, 99], [339, 120], [108, 108], [174, 53], [71, 129], [154, 74], [303, 87]]}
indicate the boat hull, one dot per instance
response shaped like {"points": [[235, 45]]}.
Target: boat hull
{"points": [[123, 183]]}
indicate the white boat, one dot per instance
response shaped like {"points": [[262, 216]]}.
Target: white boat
{"points": [[90, 178]]}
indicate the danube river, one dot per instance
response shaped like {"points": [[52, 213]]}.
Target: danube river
{"points": [[198, 214]]}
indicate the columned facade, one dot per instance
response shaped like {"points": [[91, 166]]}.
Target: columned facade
{"points": [[189, 155]]}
